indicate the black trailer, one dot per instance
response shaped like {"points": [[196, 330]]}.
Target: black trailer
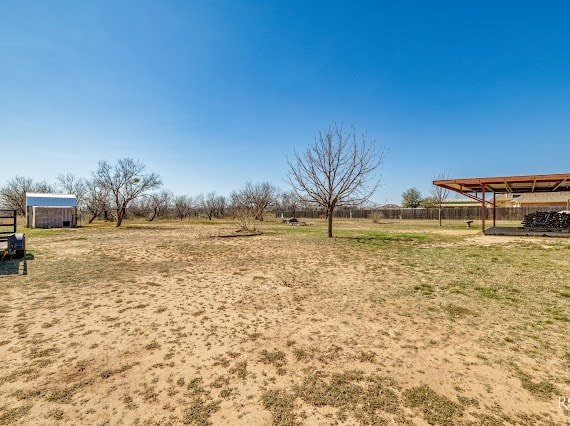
{"points": [[12, 243]]}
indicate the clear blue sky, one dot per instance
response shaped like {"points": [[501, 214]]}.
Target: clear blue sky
{"points": [[210, 94]]}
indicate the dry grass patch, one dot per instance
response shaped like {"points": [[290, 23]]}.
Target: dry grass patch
{"points": [[366, 398], [281, 404], [437, 409], [14, 414]]}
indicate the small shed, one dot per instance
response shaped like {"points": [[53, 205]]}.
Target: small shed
{"points": [[51, 210]]}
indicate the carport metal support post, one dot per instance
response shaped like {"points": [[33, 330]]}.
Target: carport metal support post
{"points": [[494, 209], [483, 208]]}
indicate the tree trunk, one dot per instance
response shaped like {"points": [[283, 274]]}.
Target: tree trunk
{"points": [[330, 220], [154, 213], [93, 216], [439, 215], [120, 216]]}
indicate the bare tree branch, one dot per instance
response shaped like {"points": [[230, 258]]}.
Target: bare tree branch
{"points": [[96, 200], [13, 193], [71, 184], [255, 198]]}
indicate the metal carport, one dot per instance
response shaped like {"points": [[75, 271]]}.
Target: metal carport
{"points": [[477, 188]]}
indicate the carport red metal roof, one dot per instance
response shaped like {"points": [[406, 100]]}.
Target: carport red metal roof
{"points": [[472, 187], [504, 184]]}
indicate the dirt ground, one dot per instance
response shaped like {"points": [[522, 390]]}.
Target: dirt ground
{"points": [[173, 323]]}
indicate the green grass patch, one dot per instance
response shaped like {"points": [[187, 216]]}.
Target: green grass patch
{"points": [[383, 238], [424, 289], [455, 311], [488, 292], [542, 390]]}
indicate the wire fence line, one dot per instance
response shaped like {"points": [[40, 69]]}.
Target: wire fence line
{"points": [[462, 213]]}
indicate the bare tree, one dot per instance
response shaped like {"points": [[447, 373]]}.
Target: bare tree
{"points": [[439, 194], [244, 218], [182, 206], [125, 181], [336, 170], [13, 193], [167, 205], [139, 207], [199, 204], [158, 201], [255, 197], [96, 200], [289, 202], [71, 184], [215, 205]]}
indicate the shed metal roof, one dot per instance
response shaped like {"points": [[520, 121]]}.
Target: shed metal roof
{"points": [[50, 200]]}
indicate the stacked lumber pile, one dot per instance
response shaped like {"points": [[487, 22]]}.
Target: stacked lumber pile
{"points": [[547, 220]]}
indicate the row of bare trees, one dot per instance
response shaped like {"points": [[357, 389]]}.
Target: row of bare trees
{"points": [[13, 193], [252, 200], [338, 169], [124, 188], [111, 187]]}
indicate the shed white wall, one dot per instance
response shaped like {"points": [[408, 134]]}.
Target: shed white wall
{"points": [[52, 217]]}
